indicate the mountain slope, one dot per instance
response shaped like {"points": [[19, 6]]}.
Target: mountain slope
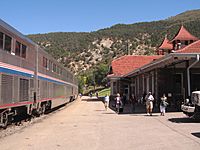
{"points": [[82, 51]]}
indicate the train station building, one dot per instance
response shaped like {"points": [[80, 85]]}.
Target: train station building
{"points": [[175, 70]]}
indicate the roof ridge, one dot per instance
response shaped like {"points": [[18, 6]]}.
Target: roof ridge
{"points": [[183, 33], [165, 44], [119, 58]]}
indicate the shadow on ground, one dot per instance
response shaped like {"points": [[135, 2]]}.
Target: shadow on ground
{"points": [[91, 99], [127, 109], [197, 134], [109, 113], [99, 110], [140, 109], [183, 120]]}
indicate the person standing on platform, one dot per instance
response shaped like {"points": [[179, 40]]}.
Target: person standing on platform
{"points": [[163, 105], [106, 101], [149, 103], [118, 102]]}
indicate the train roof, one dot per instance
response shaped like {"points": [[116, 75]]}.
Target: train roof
{"points": [[13, 30], [23, 37]]}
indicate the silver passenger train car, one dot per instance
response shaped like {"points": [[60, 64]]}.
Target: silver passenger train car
{"points": [[31, 81]]}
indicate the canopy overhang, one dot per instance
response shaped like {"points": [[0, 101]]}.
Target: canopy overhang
{"points": [[169, 59]]}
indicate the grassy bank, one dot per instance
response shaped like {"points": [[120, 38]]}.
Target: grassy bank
{"points": [[104, 92]]}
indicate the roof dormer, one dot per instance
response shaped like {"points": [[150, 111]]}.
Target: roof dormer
{"points": [[165, 47], [182, 39]]}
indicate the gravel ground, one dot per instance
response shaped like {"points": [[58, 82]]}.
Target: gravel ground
{"points": [[13, 128]]}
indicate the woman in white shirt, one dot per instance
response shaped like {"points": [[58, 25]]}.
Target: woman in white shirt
{"points": [[106, 101]]}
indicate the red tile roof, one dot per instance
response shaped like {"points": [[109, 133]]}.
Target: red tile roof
{"points": [[165, 44], [192, 48], [128, 63], [183, 34]]}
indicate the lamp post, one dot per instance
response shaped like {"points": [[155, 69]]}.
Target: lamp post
{"points": [[94, 78], [128, 51]]}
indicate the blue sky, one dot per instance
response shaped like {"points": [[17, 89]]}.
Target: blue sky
{"points": [[43, 16]]}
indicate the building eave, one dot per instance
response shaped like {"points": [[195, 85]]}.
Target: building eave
{"points": [[168, 59]]}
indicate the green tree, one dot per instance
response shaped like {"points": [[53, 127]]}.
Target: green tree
{"points": [[100, 73]]}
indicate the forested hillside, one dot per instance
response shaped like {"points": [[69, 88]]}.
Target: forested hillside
{"points": [[81, 51]]}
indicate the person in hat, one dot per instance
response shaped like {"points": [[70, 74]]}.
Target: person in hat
{"points": [[149, 103]]}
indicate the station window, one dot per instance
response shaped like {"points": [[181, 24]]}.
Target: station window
{"points": [[8, 41], [17, 48], [23, 51], [1, 40]]}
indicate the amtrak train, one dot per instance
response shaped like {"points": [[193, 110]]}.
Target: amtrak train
{"points": [[31, 80]]}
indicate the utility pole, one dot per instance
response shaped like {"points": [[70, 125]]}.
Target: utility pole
{"points": [[128, 51], [94, 78]]}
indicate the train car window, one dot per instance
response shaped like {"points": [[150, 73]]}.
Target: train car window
{"points": [[17, 48], [23, 51], [60, 71], [8, 42], [1, 40], [44, 62], [50, 65], [47, 64], [66, 74], [54, 67]]}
